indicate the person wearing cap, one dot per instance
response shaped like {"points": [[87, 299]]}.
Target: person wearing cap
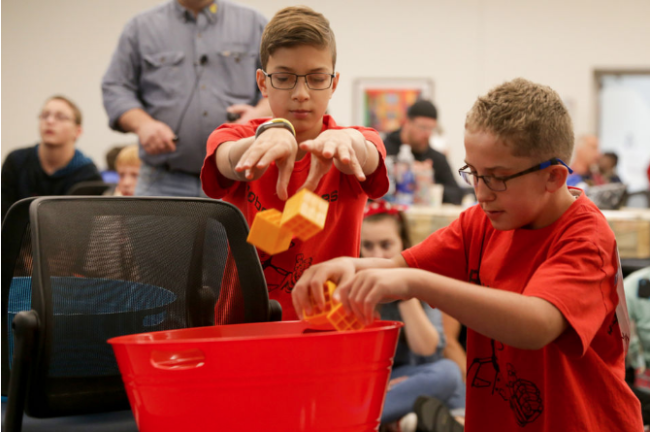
{"points": [[421, 121]]}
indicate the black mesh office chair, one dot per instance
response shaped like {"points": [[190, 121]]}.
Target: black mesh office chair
{"points": [[90, 188], [108, 266]]}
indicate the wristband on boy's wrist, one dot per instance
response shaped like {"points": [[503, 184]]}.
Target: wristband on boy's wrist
{"points": [[274, 123]]}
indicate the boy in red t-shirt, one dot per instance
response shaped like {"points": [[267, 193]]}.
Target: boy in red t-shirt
{"points": [[258, 165], [532, 271]]}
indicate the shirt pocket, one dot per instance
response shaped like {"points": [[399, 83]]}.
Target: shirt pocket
{"points": [[239, 65], [161, 74]]}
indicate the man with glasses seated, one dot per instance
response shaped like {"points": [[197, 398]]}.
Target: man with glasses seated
{"points": [[421, 122], [52, 166]]}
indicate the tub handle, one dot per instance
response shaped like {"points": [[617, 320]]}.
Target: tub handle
{"points": [[178, 360]]}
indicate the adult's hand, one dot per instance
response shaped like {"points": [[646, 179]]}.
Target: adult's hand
{"points": [[245, 113], [156, 137]]}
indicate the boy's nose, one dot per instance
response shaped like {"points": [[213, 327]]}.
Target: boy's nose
{"points": [[301, 91], [483, 193]]}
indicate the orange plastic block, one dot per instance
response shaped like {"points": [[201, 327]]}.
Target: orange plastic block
{"points": [[304, 214], [319, 319], [267, 234], [341, 321]]}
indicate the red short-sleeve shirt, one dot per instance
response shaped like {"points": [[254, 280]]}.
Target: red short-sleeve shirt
{"points": [[575, 383], [346, 195]]}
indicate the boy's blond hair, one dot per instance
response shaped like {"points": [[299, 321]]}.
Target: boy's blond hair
{"points": [[294, 26], [128, 156], [530, 118]]}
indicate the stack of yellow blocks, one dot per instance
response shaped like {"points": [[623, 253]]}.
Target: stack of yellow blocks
{"points": [[304, 216], [333, 315]]}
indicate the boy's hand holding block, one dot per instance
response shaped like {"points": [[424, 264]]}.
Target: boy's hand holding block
{"points": [[333, 316], [304, 216]]}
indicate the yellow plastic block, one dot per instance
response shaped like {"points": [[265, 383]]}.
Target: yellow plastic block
{"points": [[318, 319], [341, 321], [304, 214], [267, 234]]}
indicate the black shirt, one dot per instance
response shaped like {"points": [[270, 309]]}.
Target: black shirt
{"points": [[442, 173], [23, 176]]}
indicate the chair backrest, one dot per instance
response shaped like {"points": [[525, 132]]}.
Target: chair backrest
{"points": [[16, 262], [110, 266], [90, 188]]}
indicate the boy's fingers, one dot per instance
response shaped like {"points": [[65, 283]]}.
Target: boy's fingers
{"points": [[250, 158], [344, 154], [329, 149], [273, 154], [284, 176], [356, 167]]}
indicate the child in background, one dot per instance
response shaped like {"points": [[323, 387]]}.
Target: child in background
{"points": [[258, 165], [419, 368], [532, 271], [127, 165]]}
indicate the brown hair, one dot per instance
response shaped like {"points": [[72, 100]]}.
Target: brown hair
{"points": [[294, 26], [402, 226], [75, 109], [128, 156], [528, 117]]}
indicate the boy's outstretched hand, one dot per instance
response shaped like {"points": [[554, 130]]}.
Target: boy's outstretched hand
{"points": [[342, 147], [277, 145]]}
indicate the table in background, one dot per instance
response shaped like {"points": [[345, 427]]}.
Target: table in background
{"points": [[631, 227]]}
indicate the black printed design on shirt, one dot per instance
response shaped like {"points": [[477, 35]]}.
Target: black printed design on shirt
{"points": [[290, 276]]}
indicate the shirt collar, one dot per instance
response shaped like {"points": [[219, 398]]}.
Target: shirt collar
{"points": [[209, 11]]}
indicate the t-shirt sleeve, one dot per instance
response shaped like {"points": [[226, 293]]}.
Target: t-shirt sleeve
{"points": [[376, 184], [215, 184], [579, 280], [443, 252]]}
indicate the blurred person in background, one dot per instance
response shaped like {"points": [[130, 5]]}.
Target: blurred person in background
{"points": [[127, 165], [421, 122], [585, 160], [607, 163], [179, 70], [52, 166]]}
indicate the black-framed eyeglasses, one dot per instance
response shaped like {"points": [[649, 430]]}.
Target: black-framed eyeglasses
{"points": [[287, 80], [498, 184]]}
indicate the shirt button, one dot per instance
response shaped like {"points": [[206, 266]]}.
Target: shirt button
{"points": [[162, 59], [199, 35], [205, 113], [203, 87]]}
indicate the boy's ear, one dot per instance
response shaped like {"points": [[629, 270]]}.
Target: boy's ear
{"points": [[78, 133], [557, 176], [335, 83], [261, 82]]}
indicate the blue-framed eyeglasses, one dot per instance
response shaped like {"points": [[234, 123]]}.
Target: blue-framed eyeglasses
{"points": [[498, 184]]}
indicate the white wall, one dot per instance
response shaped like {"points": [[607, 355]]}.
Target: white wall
{"points": [[464, 46]]}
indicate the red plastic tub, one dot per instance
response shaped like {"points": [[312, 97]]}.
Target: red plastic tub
{"points": [[257, 377]]}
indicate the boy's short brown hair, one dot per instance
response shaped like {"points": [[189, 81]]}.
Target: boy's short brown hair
{"points": [[530, 118], [128, 156], [294, 26], [75, 109]]}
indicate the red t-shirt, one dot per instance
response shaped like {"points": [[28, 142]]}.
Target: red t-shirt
{"points": [[346, 195], [575, 383]]}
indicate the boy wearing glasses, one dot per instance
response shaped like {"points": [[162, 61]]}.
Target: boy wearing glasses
{"points": [[532, 271], [258, 165], [52, 166]]}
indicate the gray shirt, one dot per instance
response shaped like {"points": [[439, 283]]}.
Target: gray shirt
{"points": [[185, 71]]}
